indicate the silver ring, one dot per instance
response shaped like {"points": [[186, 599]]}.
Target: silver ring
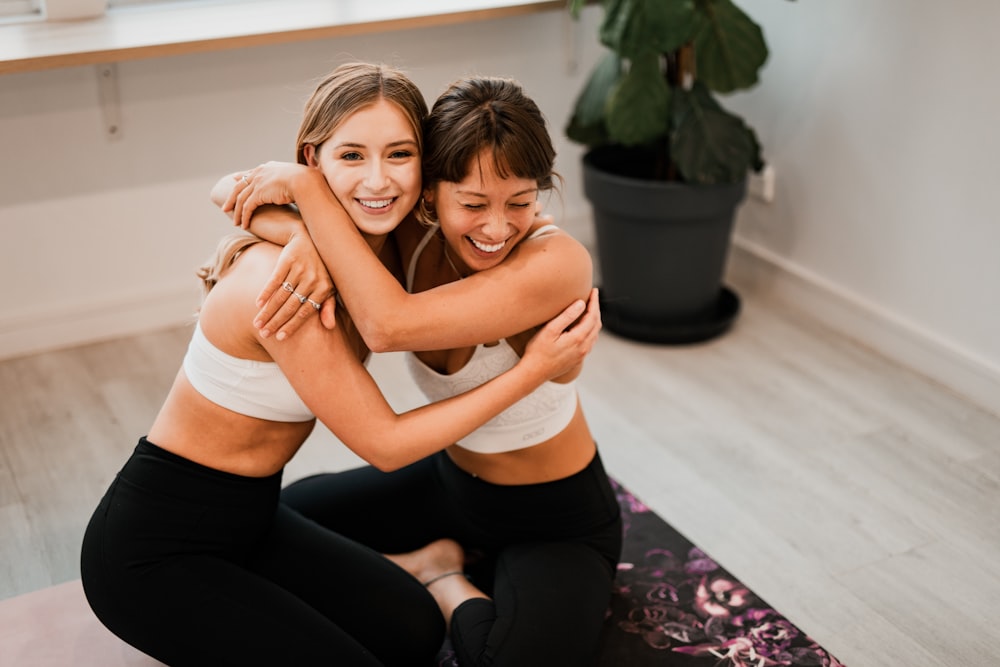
{"points": [[244, 179], [287, 286], [317, 306], [298, 296]]}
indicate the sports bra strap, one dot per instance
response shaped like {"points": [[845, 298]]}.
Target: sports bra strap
{"points": [[543, 230], [411, 270]]}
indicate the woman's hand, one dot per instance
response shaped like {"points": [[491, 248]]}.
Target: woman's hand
{"points": [[561, 345], [298, 287], [269, 183]]}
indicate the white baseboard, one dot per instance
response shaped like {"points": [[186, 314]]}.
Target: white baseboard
{"points": [[757, 269], [77, 323]]}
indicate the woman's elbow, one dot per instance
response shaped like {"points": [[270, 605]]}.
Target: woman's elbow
{"points": [[222, 189], [373, 449], [386, 462], [380, 337]]}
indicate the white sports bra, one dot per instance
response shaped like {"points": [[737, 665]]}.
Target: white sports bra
{"points": [[534, 419], [253, 388]]}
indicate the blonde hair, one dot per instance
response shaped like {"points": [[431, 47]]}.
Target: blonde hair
{"points": [[347, 89], [226, 252], [351, 87]]}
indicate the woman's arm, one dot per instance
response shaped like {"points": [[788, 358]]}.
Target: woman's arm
{"points": [[351, 405], [299, 266], [533, 284], [342, 394], [275, 223]]}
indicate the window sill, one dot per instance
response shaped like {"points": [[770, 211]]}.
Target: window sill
{"points": [[157, 31]]}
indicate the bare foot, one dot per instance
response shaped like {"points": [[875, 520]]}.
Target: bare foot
{"points": [[437, 558], [439, 567]]}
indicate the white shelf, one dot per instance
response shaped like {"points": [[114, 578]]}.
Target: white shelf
{"points": [[164, 30]]}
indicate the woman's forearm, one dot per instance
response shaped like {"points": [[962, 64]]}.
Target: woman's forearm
{"points": [[276, 224], [529, 287], [390, 441], [370, 292]]}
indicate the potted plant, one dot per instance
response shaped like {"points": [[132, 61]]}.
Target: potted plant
{"points": [[666, 164]]}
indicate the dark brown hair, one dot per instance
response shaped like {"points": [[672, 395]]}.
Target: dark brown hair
{"points": [[487, 113]]}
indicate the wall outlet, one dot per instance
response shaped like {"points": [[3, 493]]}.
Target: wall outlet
{"points": [[761, 184]]}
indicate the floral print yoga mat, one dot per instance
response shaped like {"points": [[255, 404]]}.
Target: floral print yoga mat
{"points": [[674, 606]]}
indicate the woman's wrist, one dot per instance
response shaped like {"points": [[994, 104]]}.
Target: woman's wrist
{"points": [[306, 182], [297, 230], [533, 374]]}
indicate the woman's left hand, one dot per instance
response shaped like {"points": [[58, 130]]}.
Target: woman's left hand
{"points": [[561, 345], [270, 183], [298, 287]]}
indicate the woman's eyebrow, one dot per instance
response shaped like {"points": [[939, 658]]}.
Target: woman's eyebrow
{"points": [[472, 193], [357, 144]]}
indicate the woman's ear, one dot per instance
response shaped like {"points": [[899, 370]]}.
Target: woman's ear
{"points": [[425, 208], [311, 154]]}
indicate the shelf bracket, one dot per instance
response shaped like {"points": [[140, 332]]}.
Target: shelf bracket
{"points": [[107, 97]]}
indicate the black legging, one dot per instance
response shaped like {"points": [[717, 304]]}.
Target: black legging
{"points": [[546, 553], [199, 567]]}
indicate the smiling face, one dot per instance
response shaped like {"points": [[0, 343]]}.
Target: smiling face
{"points": [[371, 162], [483, 216]]}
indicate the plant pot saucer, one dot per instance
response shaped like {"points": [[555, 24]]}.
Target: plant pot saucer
{"points": [[675, 332]]}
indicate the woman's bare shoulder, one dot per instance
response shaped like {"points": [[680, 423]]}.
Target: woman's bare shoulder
{"points": [[228, 310], [557, 244]]}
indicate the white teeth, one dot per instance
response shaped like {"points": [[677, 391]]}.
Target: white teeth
{"points": [[488, 248], [375, 203]]}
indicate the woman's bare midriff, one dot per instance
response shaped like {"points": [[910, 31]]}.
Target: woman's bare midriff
{"points": [[566, 454], [191, 426]]}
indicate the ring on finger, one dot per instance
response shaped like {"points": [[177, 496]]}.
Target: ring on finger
{"points": [[245, 180], [298, 296], [314, 304], [287, 286]]}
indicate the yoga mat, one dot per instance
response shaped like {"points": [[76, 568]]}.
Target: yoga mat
{"points": [[674, 606]]}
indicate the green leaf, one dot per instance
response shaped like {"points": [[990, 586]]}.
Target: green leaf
{"points": [[638, 111], [587, 125], [590, 104], [729, 47], [709, 144], [587, 135], [633, 27]]}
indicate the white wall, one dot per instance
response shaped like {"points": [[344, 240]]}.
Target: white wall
{"points": [[878, 118], [880, 121]]}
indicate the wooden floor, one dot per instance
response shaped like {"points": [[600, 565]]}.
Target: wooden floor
{"points": [[859, 499]]}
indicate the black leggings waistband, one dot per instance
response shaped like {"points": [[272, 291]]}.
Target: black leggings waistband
{"points": [[159, 471], [581, 507]]}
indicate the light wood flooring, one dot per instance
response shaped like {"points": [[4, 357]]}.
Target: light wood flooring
{"points": [[858, 498]]}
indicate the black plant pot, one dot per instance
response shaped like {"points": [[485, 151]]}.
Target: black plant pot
{"points": [[662, 249]]}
